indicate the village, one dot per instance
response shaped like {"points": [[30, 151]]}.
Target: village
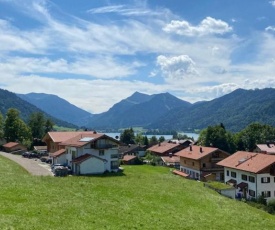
{"points": [[248, 175]]}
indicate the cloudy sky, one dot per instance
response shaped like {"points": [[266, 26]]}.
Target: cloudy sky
{"points": [[96, 53]]}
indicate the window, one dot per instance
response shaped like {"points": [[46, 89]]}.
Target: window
{"points": [[266, 194], [265, 179], [114, 156], [233, 174], [227, 172], [203, 165], [193, 163], [251, 193], [73, 154], [244, 177], [114, 164], [101, 152], [251, 179]]}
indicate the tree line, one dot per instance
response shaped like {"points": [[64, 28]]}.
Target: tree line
{"points": [[14, 129], [245, 140]]}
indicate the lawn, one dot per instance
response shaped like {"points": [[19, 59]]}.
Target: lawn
{"points": [[144, 197]]}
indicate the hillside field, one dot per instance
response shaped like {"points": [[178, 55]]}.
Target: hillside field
{"points": [[143, 197]]}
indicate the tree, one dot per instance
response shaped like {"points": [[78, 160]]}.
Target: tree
{"points": [[1, 126], [153, 140], [15, 129], [48, 125], [128, 136], [218, 137], [161, 139], [254, 134], [146, 141], [37, 123]]}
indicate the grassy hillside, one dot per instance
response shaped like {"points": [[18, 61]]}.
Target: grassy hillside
{"points": [[144, 197]]}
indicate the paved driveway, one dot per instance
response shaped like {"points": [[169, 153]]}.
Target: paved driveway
{"points": [[33, 166]]}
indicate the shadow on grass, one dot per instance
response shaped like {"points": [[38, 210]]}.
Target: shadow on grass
{"points": [[107, 174]]}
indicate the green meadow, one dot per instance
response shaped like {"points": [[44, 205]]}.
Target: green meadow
{"points": [[143, 197]]}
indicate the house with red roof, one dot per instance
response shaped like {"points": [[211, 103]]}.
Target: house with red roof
{"points": [[166, 148], [14, 147], [53, 139], [91, 153], [252, 174], [268, 148], [200, 163]]}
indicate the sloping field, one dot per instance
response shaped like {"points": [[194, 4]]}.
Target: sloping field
{"points": [[144, 197]]}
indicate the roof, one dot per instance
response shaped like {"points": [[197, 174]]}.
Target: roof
{"points": [[58, 153], [172, 159], [196, 152], [128, 157], [248, 161], [10, 144], [85, 157], [40, 147], [58, 137], [180, 173], [163, 147], [130, 148], [242, 185], [82, 139], [269, 148]]}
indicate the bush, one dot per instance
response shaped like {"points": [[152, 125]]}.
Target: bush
{"points": [[271, 206]]}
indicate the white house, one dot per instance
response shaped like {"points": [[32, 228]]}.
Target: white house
{"points": [[252, 174], [59, 157], [91, 153]]}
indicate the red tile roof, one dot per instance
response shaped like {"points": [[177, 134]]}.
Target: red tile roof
{"points": [[82, 139], [11, 144], [267, 148], [172, 159], [58, 137], [128, 157], [58, 153], [195, 152], [163, 147], [248, 161], [177, 172], [85, 157]]}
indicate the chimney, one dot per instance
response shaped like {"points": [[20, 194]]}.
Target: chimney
{"points": [[190, 146], [159, 143], [200, 149]]}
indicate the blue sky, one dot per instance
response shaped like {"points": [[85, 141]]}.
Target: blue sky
{"points": [[96, 53]]}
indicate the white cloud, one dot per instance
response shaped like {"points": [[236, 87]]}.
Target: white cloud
{"points": [[270, 28], [272, 3], [177, 67], [207, 26], [128, 10]]}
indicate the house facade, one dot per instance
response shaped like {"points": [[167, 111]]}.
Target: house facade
{"points": [[252, 174], [91, 154], [201, 162]]}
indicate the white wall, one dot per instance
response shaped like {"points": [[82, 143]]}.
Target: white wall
{"points": [[92, 166], [258, 186]]}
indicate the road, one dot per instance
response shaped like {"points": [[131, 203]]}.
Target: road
{"points": [[33, 166]]}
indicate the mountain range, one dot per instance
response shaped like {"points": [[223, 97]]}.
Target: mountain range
{"points": [[164, 111], [11, 100], [58, 107]]}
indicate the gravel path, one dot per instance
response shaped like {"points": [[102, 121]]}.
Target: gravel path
{"points": [[33, 166]]}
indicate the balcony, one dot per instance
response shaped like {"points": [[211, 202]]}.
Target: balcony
{"points": [[104, 146]]}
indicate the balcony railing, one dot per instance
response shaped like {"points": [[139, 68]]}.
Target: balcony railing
{"points": [[104, 146]]}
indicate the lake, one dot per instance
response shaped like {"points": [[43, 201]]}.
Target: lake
{"points": [[167, 137]]}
